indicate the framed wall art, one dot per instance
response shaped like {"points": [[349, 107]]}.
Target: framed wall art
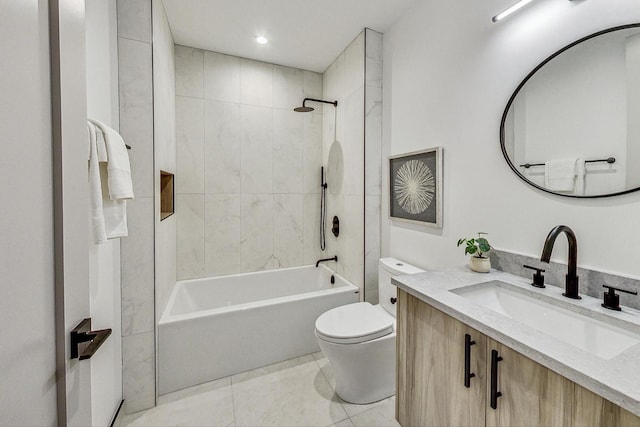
{"points": [[415, 181]]}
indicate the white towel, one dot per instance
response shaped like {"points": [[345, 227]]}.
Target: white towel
{"points": [[115, 211], [120, 184], [95, 189], [581, 171], [102, 145], [559, 175], [109, 217]]}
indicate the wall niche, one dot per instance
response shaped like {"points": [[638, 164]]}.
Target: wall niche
{"points": [[166, 195]]}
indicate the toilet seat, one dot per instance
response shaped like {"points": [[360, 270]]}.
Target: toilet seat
{"points": [[353, 323]]}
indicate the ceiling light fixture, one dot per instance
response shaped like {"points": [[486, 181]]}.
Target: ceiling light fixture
{"points": [[261, 40], [510, 10]]}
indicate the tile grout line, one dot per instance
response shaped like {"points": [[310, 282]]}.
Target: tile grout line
{"points": [[331, 387], [233, 399], [204, 173], [345, 410], [323, 374]]}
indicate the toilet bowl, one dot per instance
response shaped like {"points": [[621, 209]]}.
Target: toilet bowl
{"points": [[360, 340]]}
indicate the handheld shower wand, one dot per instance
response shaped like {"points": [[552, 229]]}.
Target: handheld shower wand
{"points": [[323, 210]]}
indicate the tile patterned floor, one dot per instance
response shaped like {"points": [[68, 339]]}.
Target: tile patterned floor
{"points": [[297, 392]]}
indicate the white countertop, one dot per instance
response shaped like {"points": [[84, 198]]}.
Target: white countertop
{"points": [[616, 379]]}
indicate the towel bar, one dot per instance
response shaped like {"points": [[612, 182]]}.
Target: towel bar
{"points": [[608, 160]]}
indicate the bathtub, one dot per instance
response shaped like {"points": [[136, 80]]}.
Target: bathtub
{"points": [[219, 326]]}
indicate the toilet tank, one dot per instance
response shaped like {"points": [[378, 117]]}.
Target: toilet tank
{"points": [[388, 268]]}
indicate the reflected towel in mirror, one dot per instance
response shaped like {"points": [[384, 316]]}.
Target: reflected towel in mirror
{"points": [[581, 171], [559, 174]]}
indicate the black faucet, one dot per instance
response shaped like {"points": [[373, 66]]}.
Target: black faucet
{"points": [[335, 258], [571, 283]]}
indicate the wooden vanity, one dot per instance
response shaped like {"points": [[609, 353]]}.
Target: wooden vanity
{"points": [[438, 356]]}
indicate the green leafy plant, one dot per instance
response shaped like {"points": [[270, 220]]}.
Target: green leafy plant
{"points": [[476, 246]]}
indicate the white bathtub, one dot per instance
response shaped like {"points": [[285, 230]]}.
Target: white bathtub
{"points": [[215, 327]]}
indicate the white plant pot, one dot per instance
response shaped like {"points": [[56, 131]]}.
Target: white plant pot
{"points": [[480, 265]]}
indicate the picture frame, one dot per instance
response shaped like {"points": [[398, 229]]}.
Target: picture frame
{"points": [[415, 187]]}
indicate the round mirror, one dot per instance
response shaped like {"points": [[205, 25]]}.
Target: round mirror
{"points": [[572, 127]]}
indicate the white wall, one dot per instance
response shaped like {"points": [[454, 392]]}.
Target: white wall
{"points": [[632, 56], [164, 151], [372, 161], [164, 136], [448, 73], [102, 61], [344, 81], [138, 249], [248, 166], [27, 359], [104, 259]]}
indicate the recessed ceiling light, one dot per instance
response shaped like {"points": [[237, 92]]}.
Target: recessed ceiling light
{"points": [[261, 40]]}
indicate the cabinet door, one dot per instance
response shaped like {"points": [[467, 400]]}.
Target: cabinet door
{"points": [[532, 395], [590, 409], [431, 368]]}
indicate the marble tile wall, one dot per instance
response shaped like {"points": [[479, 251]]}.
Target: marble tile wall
{"points": [[136, 93], [247, 181], [164, 128], [591, 281], [343, 132], [372, 161], [164, 152]]}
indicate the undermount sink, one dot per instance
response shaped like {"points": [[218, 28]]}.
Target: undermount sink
{"points": [[587, 333]]}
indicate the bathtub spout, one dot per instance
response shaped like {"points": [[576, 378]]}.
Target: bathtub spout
{"points": [[335, 258]]}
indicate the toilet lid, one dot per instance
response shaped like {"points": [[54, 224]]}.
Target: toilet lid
{"points": [[353, 323]]}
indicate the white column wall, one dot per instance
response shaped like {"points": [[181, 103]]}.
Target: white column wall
{"points": [[104, 259]]}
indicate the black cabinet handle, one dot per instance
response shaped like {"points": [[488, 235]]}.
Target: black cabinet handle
{"points": [[85, 342], [495, 394], [467, 360]]}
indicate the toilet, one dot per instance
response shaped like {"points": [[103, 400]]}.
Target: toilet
{"points": [[360, 340]]}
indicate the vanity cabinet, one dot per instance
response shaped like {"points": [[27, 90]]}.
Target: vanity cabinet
{"points": [[432, 351], [431, 366], [532, 395], [589, 409]]}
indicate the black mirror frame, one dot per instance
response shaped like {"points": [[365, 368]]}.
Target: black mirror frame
{"points": [[511, 99]]}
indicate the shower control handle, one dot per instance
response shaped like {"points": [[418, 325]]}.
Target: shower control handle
{"points": [[335, 229]]}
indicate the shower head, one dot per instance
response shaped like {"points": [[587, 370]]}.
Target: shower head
{"points": [[305, 109]]}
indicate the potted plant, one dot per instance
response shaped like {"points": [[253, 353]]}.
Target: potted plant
{"points": [[477, 248]]}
